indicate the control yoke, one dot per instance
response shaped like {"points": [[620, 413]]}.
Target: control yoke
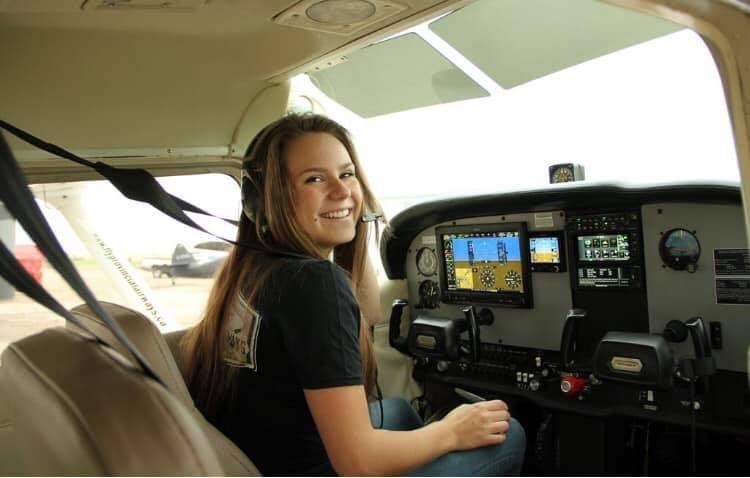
{"points": [[568, 344], [439, 338], [703, 365], [473, 321], [394, 327]]}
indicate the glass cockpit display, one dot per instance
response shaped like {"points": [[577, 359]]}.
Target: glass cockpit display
{"points": [[485, 262], [608, 251], [547, 251], [603, 248]]}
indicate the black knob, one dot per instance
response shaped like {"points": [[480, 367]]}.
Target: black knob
{"points": [[675, 331], [485, 317]]}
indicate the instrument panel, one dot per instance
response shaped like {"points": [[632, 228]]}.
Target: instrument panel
{"points": [[517, 296], [640, 258]]}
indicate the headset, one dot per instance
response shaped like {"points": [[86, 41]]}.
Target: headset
{"points": [[252, 178], [252, 189]]}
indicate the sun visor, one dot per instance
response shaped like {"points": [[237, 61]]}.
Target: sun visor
{"points": [[516, 41], [399, 74]]}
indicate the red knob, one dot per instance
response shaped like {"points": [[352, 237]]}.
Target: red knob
{"points": [[571, 386]]}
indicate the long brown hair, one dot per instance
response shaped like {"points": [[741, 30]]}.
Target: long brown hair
{"points": [[272, 229]]}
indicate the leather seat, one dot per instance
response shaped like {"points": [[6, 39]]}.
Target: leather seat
{"points": [[152, 344], [9, 461], [80, 408]]}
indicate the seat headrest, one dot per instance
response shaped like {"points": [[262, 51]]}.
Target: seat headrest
{"points": [[144, 334]]}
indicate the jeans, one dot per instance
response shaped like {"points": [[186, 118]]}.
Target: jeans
{"points": [[505, 459]]}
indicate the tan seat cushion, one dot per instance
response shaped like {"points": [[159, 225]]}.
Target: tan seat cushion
{"points": [[9, 457]]}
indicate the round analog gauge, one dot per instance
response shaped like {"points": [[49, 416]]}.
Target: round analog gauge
{"points": [[562, 175], [487, 277], [429, 294], [426, 261], [513, 279], [680, 249]]}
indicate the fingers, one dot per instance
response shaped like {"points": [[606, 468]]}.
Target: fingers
{"points": [[492, 405], [498, 427], [480, 424], [496, 439], [500, 416]]}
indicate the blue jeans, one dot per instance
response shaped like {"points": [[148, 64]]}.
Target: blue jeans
{"points": [[505, 459]]}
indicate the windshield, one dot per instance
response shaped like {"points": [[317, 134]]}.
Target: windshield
{"points": [[653, 111]]}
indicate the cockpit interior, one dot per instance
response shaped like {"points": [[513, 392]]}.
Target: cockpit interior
{"points": [[600, 311], [565, 225]]}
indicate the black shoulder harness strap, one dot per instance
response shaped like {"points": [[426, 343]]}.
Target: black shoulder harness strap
{"points": [[17, 198]]}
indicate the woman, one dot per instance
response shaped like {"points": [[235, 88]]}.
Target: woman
{"points": [[282, 362]]}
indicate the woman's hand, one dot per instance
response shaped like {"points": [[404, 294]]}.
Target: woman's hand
{"points": [[478, 424]]}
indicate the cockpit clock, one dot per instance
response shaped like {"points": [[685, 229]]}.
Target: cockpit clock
{"points": [[565, 172]]}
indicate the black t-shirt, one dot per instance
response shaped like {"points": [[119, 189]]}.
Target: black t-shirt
{"points": [[307, 338]]}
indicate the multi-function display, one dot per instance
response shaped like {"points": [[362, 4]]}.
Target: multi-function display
{"points": [[603, 248], [485, 263], [608, 250]]}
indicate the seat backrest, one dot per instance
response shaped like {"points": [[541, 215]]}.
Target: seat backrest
{"points": [[146, 337], [153, 346], [80, 408], [173, 340], [8, 457]]}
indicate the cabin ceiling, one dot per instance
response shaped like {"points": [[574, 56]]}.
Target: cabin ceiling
{"points": [[114, 75]]}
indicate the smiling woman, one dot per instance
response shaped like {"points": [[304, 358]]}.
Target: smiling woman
{"points": [[291, 290], [458, 109]]}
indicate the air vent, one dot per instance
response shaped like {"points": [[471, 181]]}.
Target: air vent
{"points": [[177, 6], [343, 17]]}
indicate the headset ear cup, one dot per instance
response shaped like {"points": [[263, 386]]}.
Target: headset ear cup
{"points": [[250, 198], [251, 181]]}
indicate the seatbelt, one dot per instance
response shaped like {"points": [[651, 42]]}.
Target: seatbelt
{"points": [[18, 200], [140, 185]]}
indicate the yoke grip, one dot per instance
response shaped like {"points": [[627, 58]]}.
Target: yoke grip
{"points": [[394, 327]]}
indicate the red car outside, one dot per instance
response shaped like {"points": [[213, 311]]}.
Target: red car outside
{"points": [[31, 259]]}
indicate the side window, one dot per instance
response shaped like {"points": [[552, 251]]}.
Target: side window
{"points": [[127, 252]]}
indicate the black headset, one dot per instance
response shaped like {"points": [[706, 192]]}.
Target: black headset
{"points": [[252, 178]]}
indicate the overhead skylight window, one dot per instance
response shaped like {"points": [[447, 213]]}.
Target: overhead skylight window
{"points": [[398, 74]]}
